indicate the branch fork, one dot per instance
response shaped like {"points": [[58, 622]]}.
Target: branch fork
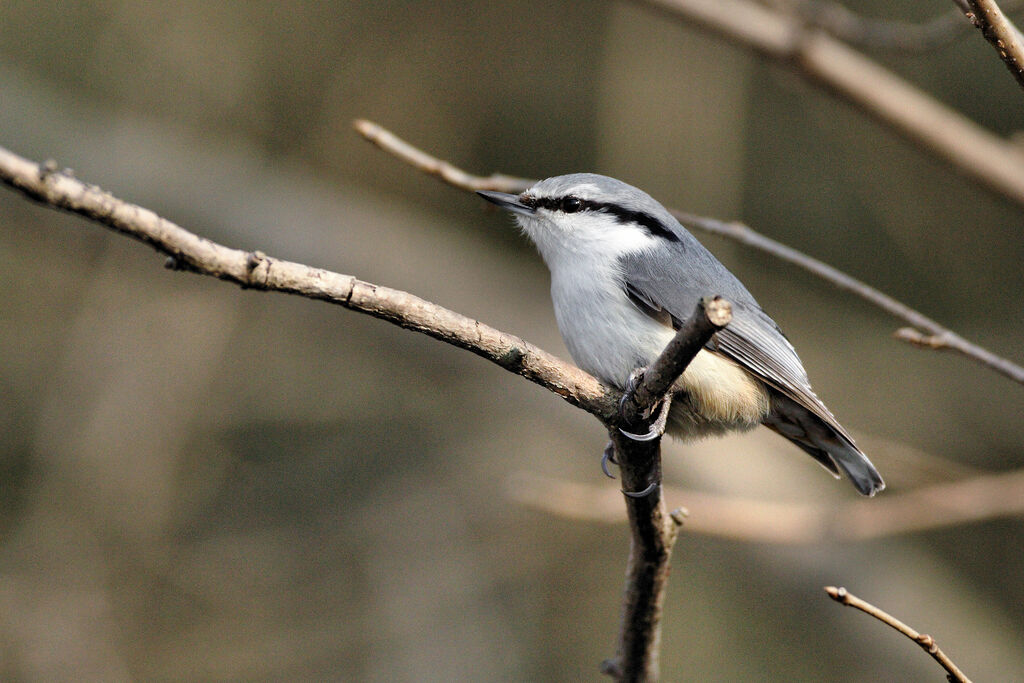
{"points": [[653, 530]]}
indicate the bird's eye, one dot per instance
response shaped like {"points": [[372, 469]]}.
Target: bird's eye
{"points": [[571, 204]]}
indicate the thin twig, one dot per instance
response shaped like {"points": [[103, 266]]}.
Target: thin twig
{"points": [[998, 30], [255, 270], [785, 38], [739, 232], [652, 530], [938, 337], [927, 643], [711, 315], [431, 165]]}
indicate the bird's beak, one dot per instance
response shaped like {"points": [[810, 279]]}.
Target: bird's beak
{"points": [[509, 202]]}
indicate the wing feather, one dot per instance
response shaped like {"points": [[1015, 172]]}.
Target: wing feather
{"points": [[660, 287]]}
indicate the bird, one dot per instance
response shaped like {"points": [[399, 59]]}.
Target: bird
{"points": [[625, 274]]}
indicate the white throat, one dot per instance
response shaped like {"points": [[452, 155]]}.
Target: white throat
{"points": [[605, 333]]}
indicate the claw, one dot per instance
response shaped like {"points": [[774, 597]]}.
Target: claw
{"points": [[642, 494], [649, 436], [608, 457], [634, 379], [657, 427], [631, 384]]}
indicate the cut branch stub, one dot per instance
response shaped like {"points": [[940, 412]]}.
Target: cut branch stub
{"points": [[639, 400]]}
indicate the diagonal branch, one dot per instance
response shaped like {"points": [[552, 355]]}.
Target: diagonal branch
{"points": [[431, 165], [654, 533], [255, 270], [927, 643], [938, 337], [864, 83], [998, 30]]}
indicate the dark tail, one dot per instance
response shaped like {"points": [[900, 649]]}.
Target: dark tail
{"points": [[826, 445]]}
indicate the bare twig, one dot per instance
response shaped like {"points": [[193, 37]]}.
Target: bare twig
{"points": [[970, 148], [712, 314], [938, 337], [255, 270], [844, 597], [652, 531], [997, 29], [936, 506], [946, 340], [730, 229], [431, 165], [652, 536]]}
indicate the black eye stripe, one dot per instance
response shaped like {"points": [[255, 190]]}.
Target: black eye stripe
{"points": [[572, 204]]}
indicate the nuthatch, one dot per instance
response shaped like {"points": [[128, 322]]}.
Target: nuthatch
{"points": [[625, 274]]}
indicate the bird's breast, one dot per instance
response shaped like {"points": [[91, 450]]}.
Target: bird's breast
{"points": [[605, 333]]}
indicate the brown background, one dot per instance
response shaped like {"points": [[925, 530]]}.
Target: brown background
{"points": [[208, 483]]}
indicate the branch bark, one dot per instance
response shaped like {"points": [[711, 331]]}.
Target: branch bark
{"points": [[711, 315], [739, 232], [927, 643], [255, 270], [652, 531], [997, 29]]}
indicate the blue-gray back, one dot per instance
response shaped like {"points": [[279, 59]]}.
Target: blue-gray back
{"points": [[676, 275]]}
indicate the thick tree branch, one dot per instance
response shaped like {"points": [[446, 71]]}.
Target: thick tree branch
{"points": [[944, 338], [785, 38], [997, 29], [927, 643], [255, 270], [652, 531]]}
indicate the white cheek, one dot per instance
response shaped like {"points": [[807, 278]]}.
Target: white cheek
{"points": [[583, 240]]}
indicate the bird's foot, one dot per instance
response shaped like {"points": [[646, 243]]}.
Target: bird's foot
{"points": [[657, 429]]}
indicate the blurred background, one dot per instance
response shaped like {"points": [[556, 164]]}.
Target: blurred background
{"points": [[199, 482]]}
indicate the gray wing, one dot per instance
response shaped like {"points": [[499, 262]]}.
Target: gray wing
{"points": [[660, 284]]}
